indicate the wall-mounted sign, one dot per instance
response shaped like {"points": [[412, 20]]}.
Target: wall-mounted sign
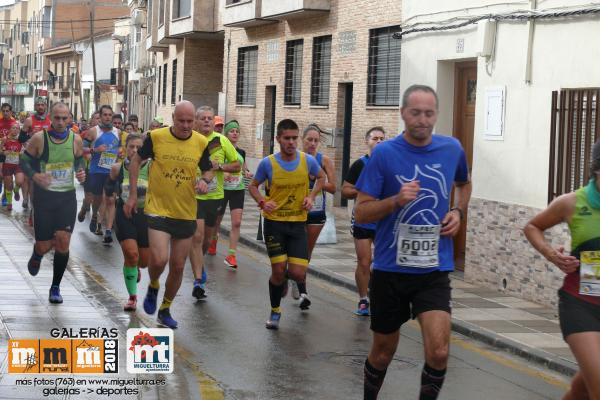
{"points": [[15, 89], [272, 51], [347, 42]]}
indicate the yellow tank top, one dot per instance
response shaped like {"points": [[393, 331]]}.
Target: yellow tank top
{"points": [[288, 190], [172, 178]]}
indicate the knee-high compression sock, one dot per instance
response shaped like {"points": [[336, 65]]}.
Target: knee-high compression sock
{"points": [[275, 293], [166, 303], [60, 265], [301, 287], [431, 382], [9, 195], [130, 274], [373, 381]]}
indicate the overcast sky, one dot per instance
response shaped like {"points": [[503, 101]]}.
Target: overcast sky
{"points": [[5, 2]]}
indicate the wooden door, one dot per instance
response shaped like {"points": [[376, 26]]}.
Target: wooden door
{"points": [[465, 99]]}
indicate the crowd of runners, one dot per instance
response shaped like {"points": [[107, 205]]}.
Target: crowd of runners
{"points": [[166, 191]]}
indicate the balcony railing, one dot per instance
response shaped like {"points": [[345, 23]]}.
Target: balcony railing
{"points": [[288, 9], [245, 13]]}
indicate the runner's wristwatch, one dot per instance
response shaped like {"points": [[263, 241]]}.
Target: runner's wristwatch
{"points": [[460, 212]]}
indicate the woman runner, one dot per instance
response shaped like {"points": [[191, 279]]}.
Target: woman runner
{"points": [[579, 297], [11, 148], [132, 233]]}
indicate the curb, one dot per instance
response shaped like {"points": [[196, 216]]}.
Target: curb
{"points": [[464, 328]]}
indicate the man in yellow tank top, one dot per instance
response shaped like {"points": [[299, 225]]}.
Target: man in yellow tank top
{"points": [[176, 154], [285, 208]]}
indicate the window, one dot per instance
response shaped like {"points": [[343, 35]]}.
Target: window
{"points": [[174, 82], [159, 81], [149, 18], [575, 125], [321, 71], [383, 87], [164, 93], [246, 75], [161, 12], [228, 2], [181, 8], [47, 22], [293, 72]]}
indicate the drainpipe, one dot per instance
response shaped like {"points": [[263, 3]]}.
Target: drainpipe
{"points": [[227, 77], [531, 23]]}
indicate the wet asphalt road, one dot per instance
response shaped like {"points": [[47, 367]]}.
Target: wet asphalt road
{"points": [[224, 350]]}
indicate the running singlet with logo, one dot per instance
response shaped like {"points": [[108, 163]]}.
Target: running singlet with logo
{"points": [[172, 178], [352, 177], [221, 151], [142, 184], [12, 151], [102, 161], [39, 124], [408, 240], [319, 205], [585, 239], [288, 184], [5, 125], [58, 161], [235, 181]]}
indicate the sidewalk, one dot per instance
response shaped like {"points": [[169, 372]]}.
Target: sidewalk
{"points": [[521, 327], [25, 312]]}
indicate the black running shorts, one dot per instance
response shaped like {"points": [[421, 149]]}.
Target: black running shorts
{"points": [[286, 241], [208, 210], [135, 228], [95, 184], [53, 211], [396, 297], [177, 228], [235, 198], [577, 315], [362, 233], [316, 218]]}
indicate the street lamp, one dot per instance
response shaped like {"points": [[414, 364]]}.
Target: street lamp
{"points": [[2, 47], [73, 69]]}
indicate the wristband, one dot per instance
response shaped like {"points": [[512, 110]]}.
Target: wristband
{"points": [[261, 204], [206, 180], [460, 212]]}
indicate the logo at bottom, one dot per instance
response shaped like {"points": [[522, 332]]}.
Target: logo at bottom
{"points": [[150, 351]]}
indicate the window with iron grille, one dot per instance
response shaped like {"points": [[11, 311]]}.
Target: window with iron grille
{"points": [[164, 93], [321, 71], [574, 128], [159, 82], [174, 82], [246, 75], [293, 72], [383, 81]]}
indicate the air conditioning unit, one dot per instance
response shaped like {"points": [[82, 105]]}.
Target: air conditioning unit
{"points": [[138, 17]]}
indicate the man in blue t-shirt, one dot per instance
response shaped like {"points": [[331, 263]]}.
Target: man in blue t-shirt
{"points": [[406, 187]]}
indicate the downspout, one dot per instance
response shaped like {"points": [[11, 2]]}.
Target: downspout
{"points": [[531, 23], [227, 76]]}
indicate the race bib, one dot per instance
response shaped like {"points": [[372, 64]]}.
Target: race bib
{"points": [[12, 157], [589, 273], [107, 160], [62, 175], [232, 182], [319, 203], [418, 246], [212, 185]]}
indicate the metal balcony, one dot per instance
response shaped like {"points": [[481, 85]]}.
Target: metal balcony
{"points": [[289, 9]]}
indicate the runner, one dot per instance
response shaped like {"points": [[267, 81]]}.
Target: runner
{"points": [[50, 159], [406, 187], [104, 140], [219, 124], [224, 158], [11, 149], [133, 118], [579, 301], [132, 233], [235, 190], [284, 210], [311, 140], [87, 153], [170, 201], [363, 233], [6, 123]]}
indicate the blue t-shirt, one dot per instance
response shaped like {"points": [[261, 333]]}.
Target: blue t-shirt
{"points": [[101, 162], [264, 172], [408, 240]]}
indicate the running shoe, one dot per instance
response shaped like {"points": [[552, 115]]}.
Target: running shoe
{"points": [[273, 321], [25, 204], [99, 229], [9, 207], [230, 261], [54, 296], [295, 290], [107, 240], [150, 300], [33, 265], [93, 225], [212, 248], [81, 216], [16, 194], [199, 291], [304, 301], [164, 318], [363, 308], [131, 304]]}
